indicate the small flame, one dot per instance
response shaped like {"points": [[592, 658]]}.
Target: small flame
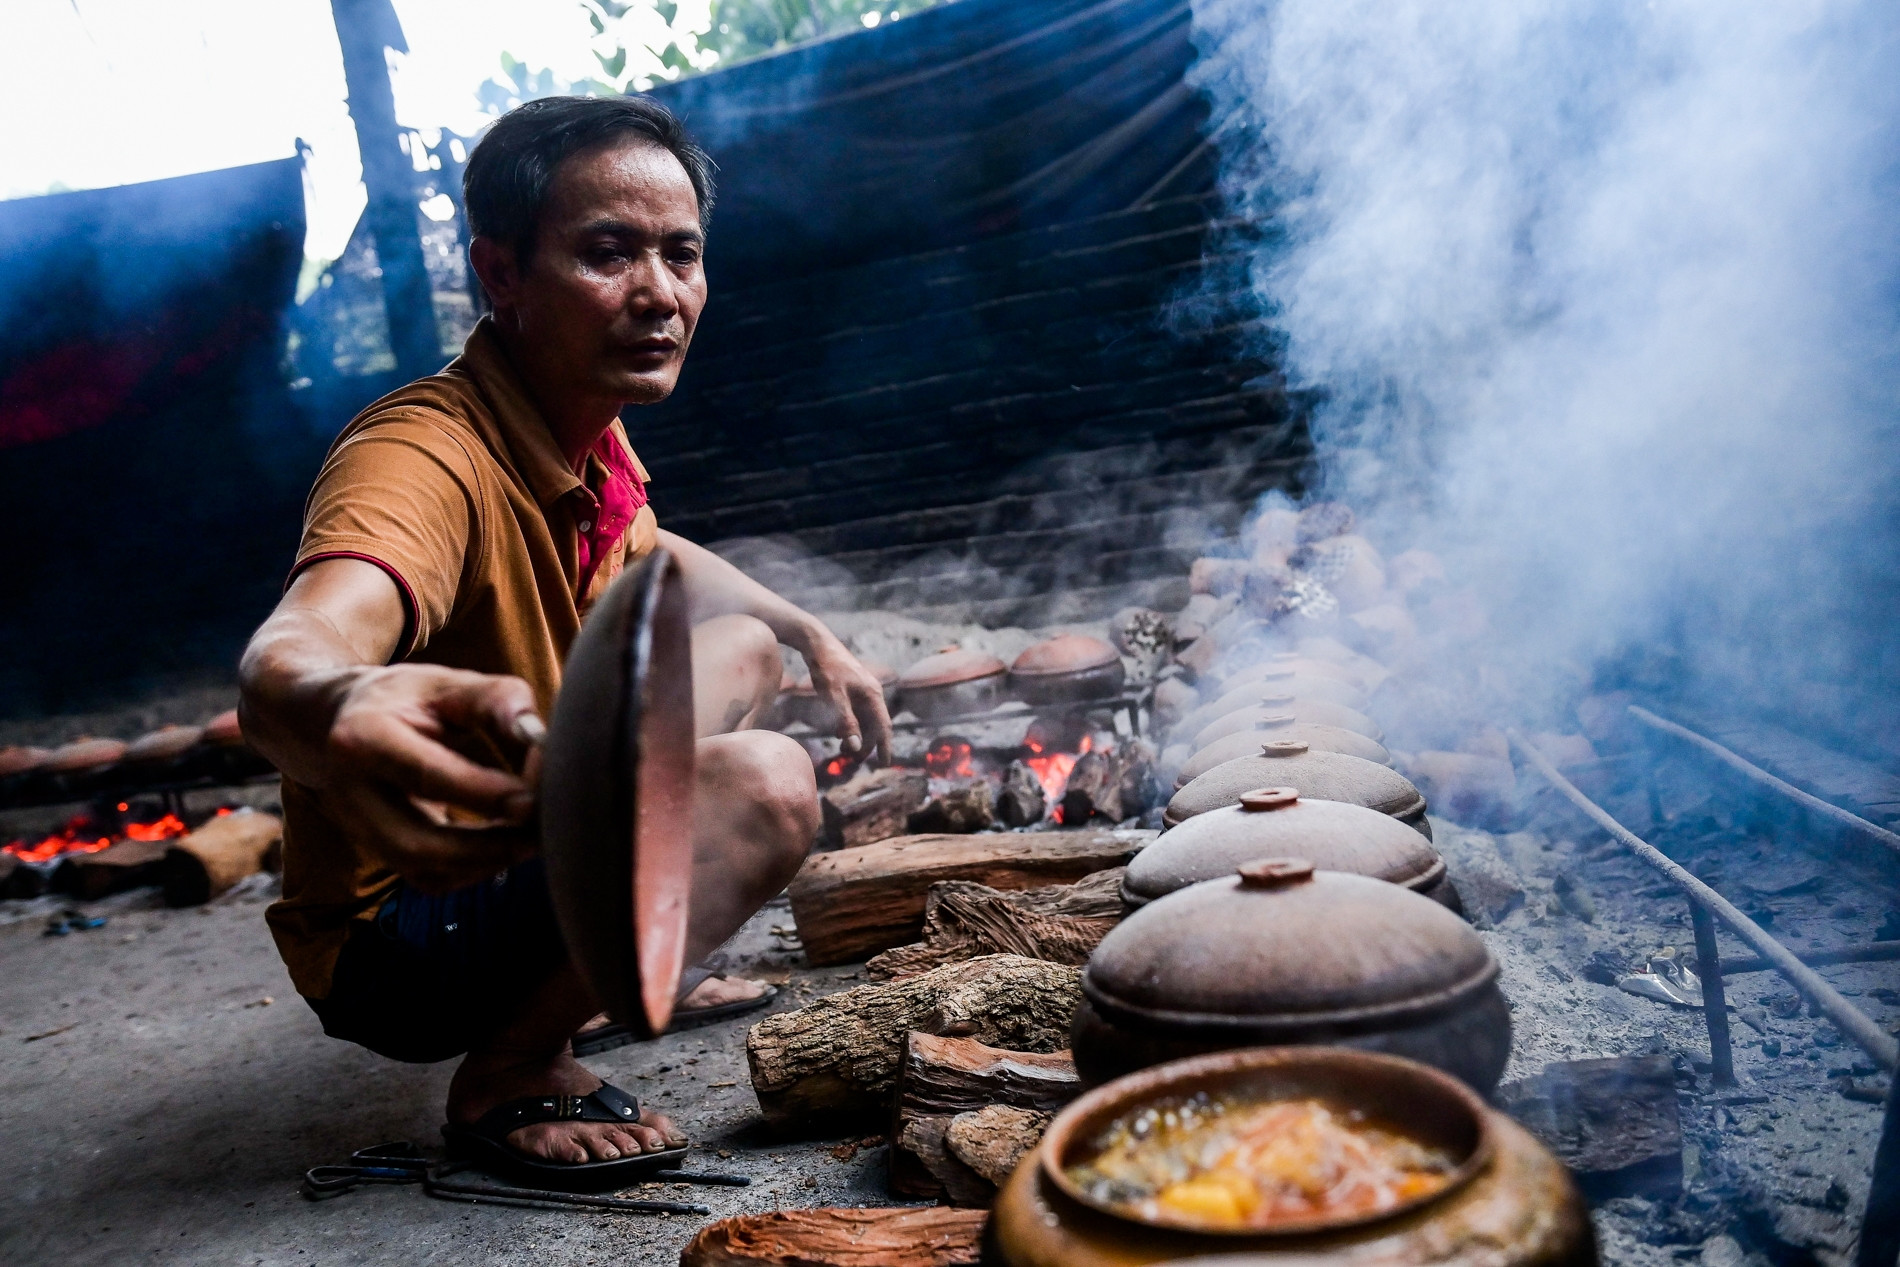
{"points": [[837, 766], [1052, 769], [78, 837], [950, 759]]}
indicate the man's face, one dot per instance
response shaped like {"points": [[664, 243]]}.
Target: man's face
{"points": [[608, 304]]}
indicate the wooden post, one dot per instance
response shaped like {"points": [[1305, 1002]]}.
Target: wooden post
{"points": [[364, 29], [1714, 1006]]}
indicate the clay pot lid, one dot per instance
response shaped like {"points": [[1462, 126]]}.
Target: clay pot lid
{"points": [[1282, 944], [21, 759], [84, 754], [1279, 822], [1320, 776], [950, 667], [1247, 743], [616, 795], [224, 728], [1067, 653], [164, 743], [884, 673], [1245, 711], [1431, 1104]]}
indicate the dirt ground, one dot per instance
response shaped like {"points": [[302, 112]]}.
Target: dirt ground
{"points": [[165, 1088]]}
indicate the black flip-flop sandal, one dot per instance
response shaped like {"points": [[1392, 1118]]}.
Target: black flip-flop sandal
{"points": [[486, 1142], [591, 1042]]}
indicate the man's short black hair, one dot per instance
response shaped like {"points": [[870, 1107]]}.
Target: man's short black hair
{"points": [[509, 175]]}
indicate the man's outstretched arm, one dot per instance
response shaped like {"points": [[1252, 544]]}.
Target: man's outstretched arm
{"points": [[321, 702], [716, 588]]}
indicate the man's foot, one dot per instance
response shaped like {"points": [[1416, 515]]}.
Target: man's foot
{"points": [[484, 1081], [718, 991]]}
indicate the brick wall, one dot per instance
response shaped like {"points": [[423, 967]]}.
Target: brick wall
{"points": [[971, 432]]}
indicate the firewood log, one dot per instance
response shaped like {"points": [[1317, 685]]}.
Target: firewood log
{"points": [[838, 1057], [126, 865], [853, 903], [943, 1078], [20, 880], [1062, 923], [961, 810], [992, 1140], [1095, 788], [894, 1237], [870, 806], [210, 860], [1021, 802]]}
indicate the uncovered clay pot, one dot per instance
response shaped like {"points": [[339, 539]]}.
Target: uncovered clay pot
{"points": [[84, 756], [1252, 702], [1283, 954], [167, 743], [1272, 728], [1322, 776], [1072, 668], [952, 683], [1510, 1203], [1280, 823]]}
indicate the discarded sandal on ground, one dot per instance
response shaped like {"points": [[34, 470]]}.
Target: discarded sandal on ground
{"points": [[486, 1142]]}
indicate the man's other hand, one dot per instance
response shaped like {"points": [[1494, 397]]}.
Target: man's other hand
{"points": [[842, 682]]}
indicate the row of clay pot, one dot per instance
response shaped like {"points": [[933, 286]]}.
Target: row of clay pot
{"points": [[30, 775]]}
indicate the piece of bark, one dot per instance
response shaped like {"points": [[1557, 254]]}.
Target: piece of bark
{"points": [[838, 1057], [993, 1139], [870, 806], [942, 1078], [24, 880], [1021, 802], [200, 866], [852, 903], [126, 865], [892, 1237], [1612, 1121], [1095, 788], [961, 810], [8, 865], [1062, 923]]}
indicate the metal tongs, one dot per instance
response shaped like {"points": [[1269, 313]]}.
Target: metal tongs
{"points": [[401, 1162]]}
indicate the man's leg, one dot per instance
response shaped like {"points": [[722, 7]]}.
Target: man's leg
{"points": [[755, 811]]}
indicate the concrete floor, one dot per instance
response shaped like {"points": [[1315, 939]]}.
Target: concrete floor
{"points": [[165, 1089]]}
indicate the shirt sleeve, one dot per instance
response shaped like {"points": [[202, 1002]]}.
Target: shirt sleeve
{"points": [[401, 494]]}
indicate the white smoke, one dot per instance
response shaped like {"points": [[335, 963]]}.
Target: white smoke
{"points": [[1602, 299]]}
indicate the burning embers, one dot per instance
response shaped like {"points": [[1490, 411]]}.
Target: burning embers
{"points": [[83, 834]]}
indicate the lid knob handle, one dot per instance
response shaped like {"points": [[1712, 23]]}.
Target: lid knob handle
{"points": [[1275, 873], [1282, 748], [1277, 697], [1265, 798], [1273, 721]]}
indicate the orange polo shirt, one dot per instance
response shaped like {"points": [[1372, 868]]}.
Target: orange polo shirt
{"points": [[455, 487]]}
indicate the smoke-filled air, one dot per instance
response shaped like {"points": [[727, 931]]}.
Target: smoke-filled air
{"points": [[1597, 302]]}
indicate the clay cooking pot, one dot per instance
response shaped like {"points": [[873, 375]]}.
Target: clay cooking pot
{"points": [[1280, 823], [1238, 709], [1320, 776], [1509, 1202], [952, 683], [1279, 727], [1072, 668], [1281, 953]]}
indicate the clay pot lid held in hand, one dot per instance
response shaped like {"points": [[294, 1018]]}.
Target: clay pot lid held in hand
{"points": [[1067, 653], [1279, 822], [951, 666], [616, 795], [1281, 943], [1321, 776]]}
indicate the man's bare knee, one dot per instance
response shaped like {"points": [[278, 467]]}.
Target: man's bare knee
{"points": [[771, 776]]}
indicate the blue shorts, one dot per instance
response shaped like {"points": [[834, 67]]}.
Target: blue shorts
{"points": [[433, 975]]}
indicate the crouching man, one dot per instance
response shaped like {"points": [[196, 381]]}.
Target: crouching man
{"points": [[456, 537]]}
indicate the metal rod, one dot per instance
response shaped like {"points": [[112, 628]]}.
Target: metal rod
{"points": [[1743, 766], [1714, 1005], [1880, 1230], [1872, 952], [1850, 1020]]}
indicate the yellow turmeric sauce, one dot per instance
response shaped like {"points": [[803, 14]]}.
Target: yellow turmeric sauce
{"points": [[1230, 1165]]}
